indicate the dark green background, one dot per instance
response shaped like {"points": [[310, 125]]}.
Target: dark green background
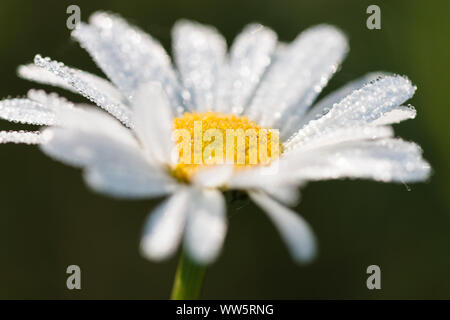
{"points": [[49, 219]]}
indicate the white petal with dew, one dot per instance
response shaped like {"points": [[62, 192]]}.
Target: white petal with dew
{"points": [[206, 226], [35, 73], [71, 76], [386, 160], [250, 55], [91, 120], [396, 115], [199, 52], [90, 137], [324, 105], [272, 175], [294, 230], [26, 111], [361, 107], [51, 100], [128, 56], [164, 227], [297, 75], [336, 136], [39, 108], [25, 137]]}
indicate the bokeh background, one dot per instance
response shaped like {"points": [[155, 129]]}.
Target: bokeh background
{"points": [[49, 219]]}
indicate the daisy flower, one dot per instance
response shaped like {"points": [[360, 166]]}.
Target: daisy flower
{"points": [[127, 148]]}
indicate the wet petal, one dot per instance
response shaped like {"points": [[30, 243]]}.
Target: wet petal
{"points": [[297, 75], [128, 56], [207, 225], [294, 230], [164, 227], [250, 55], [199, 52]]}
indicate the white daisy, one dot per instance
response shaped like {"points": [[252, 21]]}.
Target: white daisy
{"points": [[125, 150]]}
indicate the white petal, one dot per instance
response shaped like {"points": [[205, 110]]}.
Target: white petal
{"points": [[90, 137], [325, 104], [40, 108], [128, 56], [297, 75], [361, 107], [84, 149], [199, 52], [164, 227], [126, 180], [94, 121], [266, 178], [102, 85], [370, 102], [26, 137], [396, 115], [206, 227], [213, 177], [387, 160], [152, 121], [301, 147], [26, 111], [93, 139], [294, 230], [44, 76], [71, 76], [112, 167], [51, 100], [34, 73], [288, 195], [250, 55], [303, 143]]}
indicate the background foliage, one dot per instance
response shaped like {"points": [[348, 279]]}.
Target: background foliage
{"points": [[49, 219]]}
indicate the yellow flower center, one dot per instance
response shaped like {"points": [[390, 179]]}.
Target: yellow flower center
{"points": [[211, 138]]}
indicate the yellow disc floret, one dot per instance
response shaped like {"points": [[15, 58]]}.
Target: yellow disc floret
{"points": [[211, 138]]}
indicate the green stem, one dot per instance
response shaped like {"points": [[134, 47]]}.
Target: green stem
{"points": [[188, 279]]}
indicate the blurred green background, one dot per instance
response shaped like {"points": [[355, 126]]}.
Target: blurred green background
{"points": [[49, 219]]}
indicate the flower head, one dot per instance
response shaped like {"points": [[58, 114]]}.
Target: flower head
{"points": [[245, 117]]}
